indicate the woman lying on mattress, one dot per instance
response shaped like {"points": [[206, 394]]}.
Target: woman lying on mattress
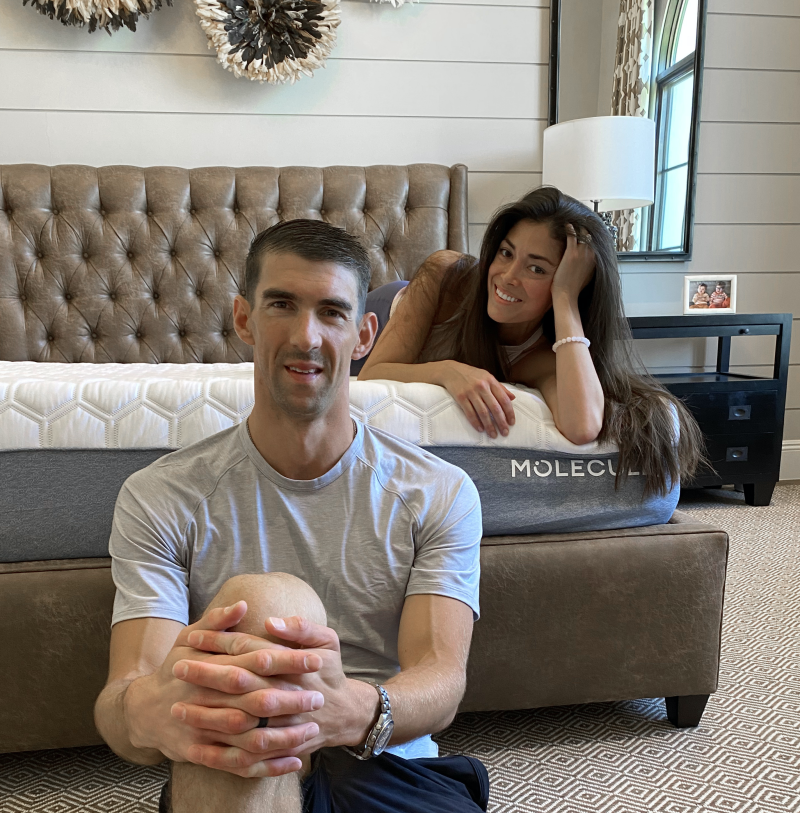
{"points": [[547, 280]]}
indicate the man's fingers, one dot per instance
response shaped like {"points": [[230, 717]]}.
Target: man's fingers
{"points": [[228, 643], [241, 762], [224, 678], [224, 720], [284, 741], [220, 618], [301, 631]]}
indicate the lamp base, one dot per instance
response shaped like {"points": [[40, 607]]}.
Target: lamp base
{"points": [[608, 220]]}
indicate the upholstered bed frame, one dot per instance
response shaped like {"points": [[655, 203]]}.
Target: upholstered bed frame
{"points": [[130, 265]]}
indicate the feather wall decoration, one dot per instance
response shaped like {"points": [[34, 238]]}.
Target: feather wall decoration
{"points": [[110, 15], [273, 41]]}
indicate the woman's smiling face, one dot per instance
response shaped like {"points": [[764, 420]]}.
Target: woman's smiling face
{"points": [[521, 275]]}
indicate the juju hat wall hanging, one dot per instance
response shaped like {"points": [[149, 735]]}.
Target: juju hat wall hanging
{"points": [[272, 41], [110, 15]]}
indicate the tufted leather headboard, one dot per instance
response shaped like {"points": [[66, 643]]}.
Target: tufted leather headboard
{"points": [[124, 264]]}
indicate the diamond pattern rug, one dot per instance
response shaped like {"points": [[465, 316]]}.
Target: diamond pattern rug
{"points": [[596, 758]]}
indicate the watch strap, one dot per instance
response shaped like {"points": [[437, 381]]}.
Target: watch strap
{"points": [[364, 752]]}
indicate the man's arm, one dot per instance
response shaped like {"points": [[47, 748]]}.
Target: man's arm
{"points": [[138, 648], [433, 642]]}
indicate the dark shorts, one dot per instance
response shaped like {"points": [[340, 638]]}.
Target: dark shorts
{"points": [[379, 302], [340, 783]]}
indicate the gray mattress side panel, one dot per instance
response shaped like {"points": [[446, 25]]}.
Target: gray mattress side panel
{"points": [[58, 503], [528, 492]]}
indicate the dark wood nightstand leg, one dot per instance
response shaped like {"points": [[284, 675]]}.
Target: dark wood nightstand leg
{"points": [[758, 493], [686, 711]]}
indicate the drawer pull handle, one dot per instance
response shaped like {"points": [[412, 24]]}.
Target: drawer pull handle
{"points": [[736, 454], [739, 413]]}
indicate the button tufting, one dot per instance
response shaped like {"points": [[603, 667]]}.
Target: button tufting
{"points": [[155, 294], [85, 255], [50, 339], [138, 334], [23, 297], [39, 254], [181, 333], [216, 253], [235, 210], [130, 255], [55, 212], [103, 212], [112, 296], [193, 211], [199, 292], [224, 332], [94, 335], [9, 212], [67, 296], [242, 292], [173, 253], [149, 214]]}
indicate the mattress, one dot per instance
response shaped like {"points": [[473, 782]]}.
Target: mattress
{"points": [[103, 421]]}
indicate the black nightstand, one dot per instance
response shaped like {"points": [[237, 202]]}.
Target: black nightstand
{"points": [[741, 416]]}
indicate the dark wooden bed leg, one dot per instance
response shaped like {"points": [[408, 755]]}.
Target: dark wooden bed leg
{"points": [[686, 711], [758, 493]]}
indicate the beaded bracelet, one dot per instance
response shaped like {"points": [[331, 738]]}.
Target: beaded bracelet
{"points": [[581, 339]]}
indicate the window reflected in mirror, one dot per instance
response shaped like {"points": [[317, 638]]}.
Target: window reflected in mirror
{"points": [[638, 58]]}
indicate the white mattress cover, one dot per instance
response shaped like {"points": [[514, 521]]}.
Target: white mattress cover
{"points": [[168, 406]]}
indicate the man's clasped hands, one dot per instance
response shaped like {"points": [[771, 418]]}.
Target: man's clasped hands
{"points": [[205, 702]]}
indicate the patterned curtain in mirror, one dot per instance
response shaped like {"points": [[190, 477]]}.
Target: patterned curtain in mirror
{"points": [[630, 94]]}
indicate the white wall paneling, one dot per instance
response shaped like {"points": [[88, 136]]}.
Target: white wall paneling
{"points": [[751, 198], [660, 293], [148, 139], [749, 7], [752, 249], [150, 83], [750, 96], [791, 427], [753, 42], [490, 190], [741, 148]]}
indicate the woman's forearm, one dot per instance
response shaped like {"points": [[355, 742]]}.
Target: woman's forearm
{"points": [[432, 372], [580, 401]]}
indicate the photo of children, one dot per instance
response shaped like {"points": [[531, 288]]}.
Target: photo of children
{"points": [[715, 295]]}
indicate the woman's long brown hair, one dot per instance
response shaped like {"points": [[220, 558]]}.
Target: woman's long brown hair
{"points": [[639, 413]]}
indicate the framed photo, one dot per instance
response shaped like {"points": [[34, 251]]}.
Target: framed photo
{"points": [[709, 294]]}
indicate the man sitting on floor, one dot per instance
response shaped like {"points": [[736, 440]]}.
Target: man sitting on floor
{"points": [[328, 573]]}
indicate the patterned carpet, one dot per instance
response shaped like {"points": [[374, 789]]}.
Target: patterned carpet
{"points": [[599, 758]]}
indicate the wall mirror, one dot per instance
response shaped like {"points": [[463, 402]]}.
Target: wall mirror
{"points": [[637, 58]]}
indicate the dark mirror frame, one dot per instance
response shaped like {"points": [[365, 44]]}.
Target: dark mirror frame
{"points": [[694, 136]]}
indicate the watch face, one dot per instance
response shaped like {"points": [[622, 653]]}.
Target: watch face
{"points": [[383, 738]]}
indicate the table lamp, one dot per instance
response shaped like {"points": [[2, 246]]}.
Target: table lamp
{"points": [[605, 161]]}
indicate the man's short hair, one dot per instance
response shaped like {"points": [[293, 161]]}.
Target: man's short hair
{"points": [[315, 241]]}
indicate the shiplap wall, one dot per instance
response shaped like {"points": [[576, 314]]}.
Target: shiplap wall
{"points": [[445, 81]]}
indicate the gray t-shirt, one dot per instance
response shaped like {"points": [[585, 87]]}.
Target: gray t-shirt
{"points": [[389, 520]]}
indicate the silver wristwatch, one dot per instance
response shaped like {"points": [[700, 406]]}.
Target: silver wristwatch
{"points": [[381, 733]]}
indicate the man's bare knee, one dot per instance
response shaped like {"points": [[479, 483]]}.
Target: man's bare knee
{"points": [[279, 595]]}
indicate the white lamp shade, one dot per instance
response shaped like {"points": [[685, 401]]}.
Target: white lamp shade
{"points": [[609, 159]]}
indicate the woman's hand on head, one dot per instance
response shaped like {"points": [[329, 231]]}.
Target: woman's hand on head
{"points": [[482, 398], [577, 265]]}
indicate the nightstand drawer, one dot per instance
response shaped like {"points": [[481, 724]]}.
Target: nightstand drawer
{"points": [[740, 412], [733, 454]]}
